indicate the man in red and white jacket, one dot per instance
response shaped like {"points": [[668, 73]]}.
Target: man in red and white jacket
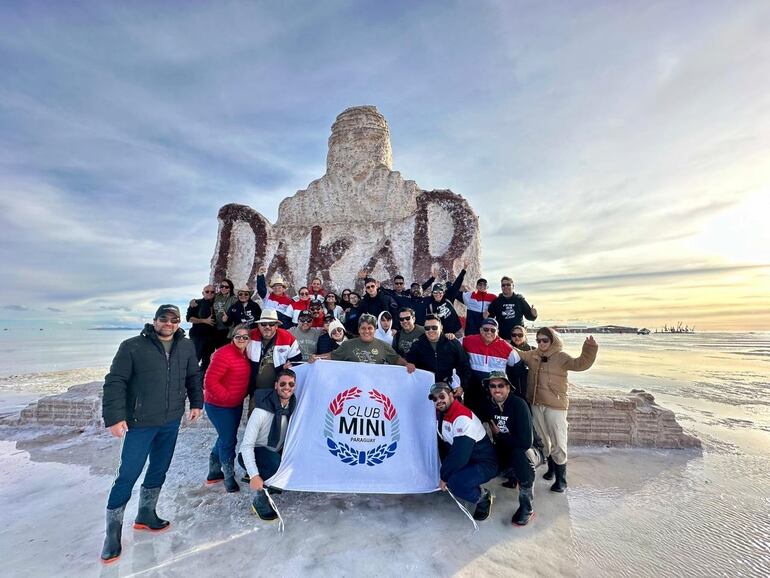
{"points": [[476, 303], [486, 353], [470, 460], [277, 300], [270, 349]]}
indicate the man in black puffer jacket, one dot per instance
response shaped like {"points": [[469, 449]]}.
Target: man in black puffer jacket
{"points": [[144, 400], [434, 352]]}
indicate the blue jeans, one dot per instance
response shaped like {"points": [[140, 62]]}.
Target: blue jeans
{"points": [[139, 443], [267, 462], [226, 421], [466, 482]]}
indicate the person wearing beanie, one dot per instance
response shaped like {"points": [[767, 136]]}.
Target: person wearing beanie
{"points": [[332, 339], [151, 377]]}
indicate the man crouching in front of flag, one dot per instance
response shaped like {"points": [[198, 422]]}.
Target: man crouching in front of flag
{"points": [[470, 460], [264, 437]]}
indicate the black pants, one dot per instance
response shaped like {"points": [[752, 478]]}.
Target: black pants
{"points": [[514, 463], [204, 347]]}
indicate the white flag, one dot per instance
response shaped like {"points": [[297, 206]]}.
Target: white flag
{"points": [[362, 428]]}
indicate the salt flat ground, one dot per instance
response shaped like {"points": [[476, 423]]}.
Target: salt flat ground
{"points": [[626, 513]]}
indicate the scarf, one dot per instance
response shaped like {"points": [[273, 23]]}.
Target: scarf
{"points": [[269, 401]]}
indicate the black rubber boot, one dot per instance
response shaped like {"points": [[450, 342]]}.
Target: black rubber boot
{"points": [[523, 515], [262, 508], [146, 518], [215, 470], [484, 506], [551, 469], [229, 473], [112, 548], [561, 479]]}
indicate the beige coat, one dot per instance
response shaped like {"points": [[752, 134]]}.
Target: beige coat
{"points": [[547, 380]]}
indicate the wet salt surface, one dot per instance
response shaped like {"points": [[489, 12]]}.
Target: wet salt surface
{"points": [[626, 513]]}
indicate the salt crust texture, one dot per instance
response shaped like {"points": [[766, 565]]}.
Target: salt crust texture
{"points": [[360, 215]]}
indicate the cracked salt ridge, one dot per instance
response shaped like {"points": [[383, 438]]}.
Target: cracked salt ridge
{"points": [[627, 512]]}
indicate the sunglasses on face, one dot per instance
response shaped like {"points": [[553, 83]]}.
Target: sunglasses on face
{"points": [[543, 340], [303, 293], [405, 318], [241, 337], [224, 287], [338, 330], [209, 291], [499, 385], [517, 334], [165, 319], [305, 319], [371, 286], [267, 324], [289, 384], [489, 330], [431, 328], [506, 285], [242, 294]]}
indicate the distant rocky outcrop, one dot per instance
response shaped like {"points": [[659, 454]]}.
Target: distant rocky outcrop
{"points": [[622, 420], [360, 215]]}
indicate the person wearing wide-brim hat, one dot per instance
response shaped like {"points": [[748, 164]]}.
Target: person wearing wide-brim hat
{"points": [[270, 348], [277, 299], [510, 422], [244, 311]]}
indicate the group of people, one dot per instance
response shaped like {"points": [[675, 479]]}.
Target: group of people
{"points": [[501, 404]]}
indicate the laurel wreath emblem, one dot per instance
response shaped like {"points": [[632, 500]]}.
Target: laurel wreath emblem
{"points": [[346, 453]]}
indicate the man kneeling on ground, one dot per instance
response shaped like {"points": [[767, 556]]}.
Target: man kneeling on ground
{"points": [[265, 435], [470, 460], [510, 421]]}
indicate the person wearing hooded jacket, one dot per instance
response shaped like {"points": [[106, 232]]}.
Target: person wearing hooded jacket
{"points": [[439, 303], [143, 403], [547, 393], [385, 331]]}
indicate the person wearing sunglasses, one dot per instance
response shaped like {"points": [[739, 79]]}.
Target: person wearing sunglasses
{"points": [[413, 297], [226, 386], [277, 299], [222, 302], [408, 331], [332, 338], [487, 352], [510, 422], [469, 459], [439, 303], [547, 393], [301, 303], [331, 307], [509, 309], [244, 311], [306, 335], [375, 300], [264, 437], [151, 377], [203, 332], [443, 357], [270, 349]]}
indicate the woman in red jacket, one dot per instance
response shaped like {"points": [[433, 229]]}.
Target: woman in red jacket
{"points": [[226, 385]]}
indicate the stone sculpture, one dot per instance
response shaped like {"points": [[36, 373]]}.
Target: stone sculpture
{"points": [[361, 215]]}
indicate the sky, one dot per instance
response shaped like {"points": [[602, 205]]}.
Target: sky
{"points": [[617, 153]]}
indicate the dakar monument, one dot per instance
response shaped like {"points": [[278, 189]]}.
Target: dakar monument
{"points": [[361, 215]]}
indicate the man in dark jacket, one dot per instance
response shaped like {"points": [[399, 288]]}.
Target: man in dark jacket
{"points": [[203, 332], [376, 300], [470, 458], [144, 400], [510, 421], [440, 355], [413, 298], [509, 309]]}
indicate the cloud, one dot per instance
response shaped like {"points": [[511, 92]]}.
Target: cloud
{"points": [[15, 307], [55, 310]]}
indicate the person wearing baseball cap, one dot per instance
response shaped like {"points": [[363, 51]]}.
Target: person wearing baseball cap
{"points": [[510, 422], [469, 460], [151, 377]]}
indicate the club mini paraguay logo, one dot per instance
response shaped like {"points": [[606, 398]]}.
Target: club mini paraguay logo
{"points": [[361, 431]]}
